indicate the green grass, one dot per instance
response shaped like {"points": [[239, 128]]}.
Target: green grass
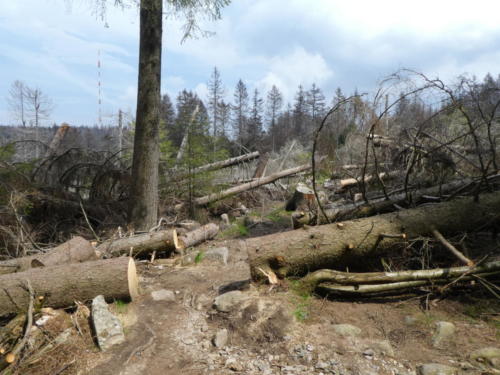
{"points": [[121, 307], [301, 299], [199, 257], [237, 229]]}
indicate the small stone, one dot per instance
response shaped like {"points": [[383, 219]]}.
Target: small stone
{"points": [[309, 347], [220, 338], [369, 353], [217, 255], [205, 345], [346, 330], [320, 365], [225, 302], [436, 369], [444, 331], [163, 295], [489, 355], [108, 328], [233, 364], [383, 347]]}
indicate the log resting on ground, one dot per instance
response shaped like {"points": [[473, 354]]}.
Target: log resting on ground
{"points": [[354, 242], [202, 201], [75, 250], [227, 163], [197, 236], [356, 279], [141, 244], [391, 288], [62, 285], [374, 207]]}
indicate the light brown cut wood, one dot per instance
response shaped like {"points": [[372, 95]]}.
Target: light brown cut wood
{"points": [[327, 246], [141, 244], [198, 236], [62, 285], [75, 250]]}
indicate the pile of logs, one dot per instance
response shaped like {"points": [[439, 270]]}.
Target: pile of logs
{"points": [[77, 271], [357, 244]]}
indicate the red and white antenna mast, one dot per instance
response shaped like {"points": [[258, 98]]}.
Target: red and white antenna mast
{"points": [[99, 97]]}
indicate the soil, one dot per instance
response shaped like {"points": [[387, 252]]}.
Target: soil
{"points": [[276, 330]]}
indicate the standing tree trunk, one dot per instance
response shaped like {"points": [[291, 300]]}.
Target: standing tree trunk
{"points": [[143, 208]]}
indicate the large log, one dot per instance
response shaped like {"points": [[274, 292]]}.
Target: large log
{"points": [[376, 206], [247, 186], [164, 240], [198, 236], [61, 286], [353, 243], [75, 250]]}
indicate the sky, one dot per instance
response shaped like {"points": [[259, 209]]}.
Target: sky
{"points": [[53, 45]]}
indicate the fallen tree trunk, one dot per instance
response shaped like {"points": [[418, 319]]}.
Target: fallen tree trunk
{"points": [[164, 240], [354, 290], [227, 163], [355, 242], [356, 279], [245, 187], [197, 236], [60, 286], [375, 207], [75, 250], [343, 184]]}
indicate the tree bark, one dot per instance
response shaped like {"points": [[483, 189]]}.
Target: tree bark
{"points": [[142, 244], [227, 163], [62, 285], [355, 279], [247, 186], [198, 236], [378, 206], [261, 166], [57, 140], [143, 209], [353, 243], [75, 250]]}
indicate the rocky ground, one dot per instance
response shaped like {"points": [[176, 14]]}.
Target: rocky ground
{"points": [[201, 315]]}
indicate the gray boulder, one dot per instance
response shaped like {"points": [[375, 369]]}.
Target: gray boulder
{"points": [[444, 332], [108, 329], [227, 301]]}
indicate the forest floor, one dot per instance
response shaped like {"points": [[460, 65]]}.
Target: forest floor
{"points": [[259, 330]]}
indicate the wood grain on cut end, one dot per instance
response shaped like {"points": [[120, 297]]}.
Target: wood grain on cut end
{"points": [[133, 280]]}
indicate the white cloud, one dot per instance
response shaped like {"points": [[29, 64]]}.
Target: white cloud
{"points": [[297, 67]]}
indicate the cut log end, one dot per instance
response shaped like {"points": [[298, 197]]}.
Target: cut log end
{"points": [[178, 245], [133, 280]]}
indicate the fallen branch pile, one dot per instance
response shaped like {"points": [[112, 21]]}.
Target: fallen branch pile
{"points": [[345, 283]]}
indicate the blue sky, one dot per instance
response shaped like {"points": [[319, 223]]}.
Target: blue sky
{"points": [[53, 44]]}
